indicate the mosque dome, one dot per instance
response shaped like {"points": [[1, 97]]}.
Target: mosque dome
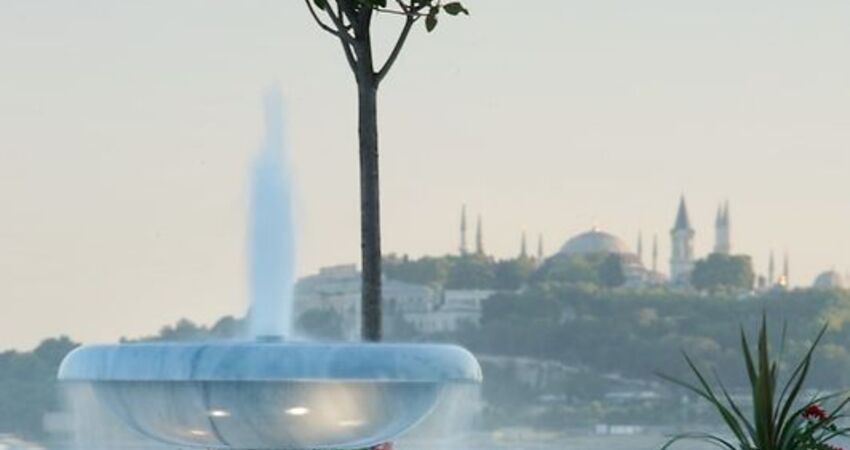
{"points": [[594, 242], [829, 280]]}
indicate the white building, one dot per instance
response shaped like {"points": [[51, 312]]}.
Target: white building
{"points": [[457, 308], [337, 289]]}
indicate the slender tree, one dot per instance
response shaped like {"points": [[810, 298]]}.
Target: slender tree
{"points": [[350, 21]]}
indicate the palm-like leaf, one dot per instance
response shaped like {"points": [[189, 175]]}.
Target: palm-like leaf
{"points": [[775, 423]]}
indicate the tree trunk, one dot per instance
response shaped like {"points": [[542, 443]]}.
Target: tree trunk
{"points": [[370, 211]]}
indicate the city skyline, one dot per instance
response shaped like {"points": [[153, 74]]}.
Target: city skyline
{"points": [[722, 238], [123, 182]]}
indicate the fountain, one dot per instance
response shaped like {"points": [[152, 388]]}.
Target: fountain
{"points": [[266, 392]]}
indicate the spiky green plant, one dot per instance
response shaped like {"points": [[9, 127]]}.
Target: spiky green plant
{"points": [[778, 421]]}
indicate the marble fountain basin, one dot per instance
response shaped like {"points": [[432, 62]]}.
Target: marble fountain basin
{"points": [[271, 395]]}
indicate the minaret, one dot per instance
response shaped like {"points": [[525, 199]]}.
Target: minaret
{"points": [[727, 228], [722, 233], [786, 270], [523, 248], [463, 248], [540, 248], [655, 253], [771, 270], [479, 238], [682, 255], [640, 247]]}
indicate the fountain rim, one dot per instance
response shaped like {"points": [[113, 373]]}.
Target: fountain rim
{"points": [[270, 361]]}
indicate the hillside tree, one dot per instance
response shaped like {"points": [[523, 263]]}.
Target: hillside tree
{"points": [[723, 272]]}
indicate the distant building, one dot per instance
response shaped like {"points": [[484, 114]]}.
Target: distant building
{"points": [[462, 248], [722, 231], [457, 308], [337, 289], [771, 281], [427, 310], [597, 242], [829, 280], [682, 254]]}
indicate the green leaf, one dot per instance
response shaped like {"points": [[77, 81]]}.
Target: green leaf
{"points": [[430, 23], [777, 423], [763, 393], [455, 8], [748, 359], [795, 382], [707, 393], [431, 19], [735, 409]]}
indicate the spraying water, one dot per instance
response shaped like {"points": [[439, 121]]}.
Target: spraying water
{"points": [[271, 233]]}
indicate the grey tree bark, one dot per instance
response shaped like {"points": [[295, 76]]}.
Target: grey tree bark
{"points": [[370, 213], [370, 196]]}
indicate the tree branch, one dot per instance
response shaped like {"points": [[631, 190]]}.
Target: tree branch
{"points": [[344, 38], [362, 47], [343, 15], [402, 38], [319, 22], [345, 8], [404, 7], [349, 56], [342, 32]]}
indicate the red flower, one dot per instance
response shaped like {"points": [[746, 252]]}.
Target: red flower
{"points": [[814, 412]]}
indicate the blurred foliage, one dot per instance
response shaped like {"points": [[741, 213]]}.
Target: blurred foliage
{"points": [[723, 272], [470, 271], [595, 269], [28, 386], [429, 271], [473, 271], [615, 340], [611, 272], [575, 312], [227, 327], [610, 339], [635, 333]]}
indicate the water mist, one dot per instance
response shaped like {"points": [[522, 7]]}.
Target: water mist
{"points": [[271, 240]]}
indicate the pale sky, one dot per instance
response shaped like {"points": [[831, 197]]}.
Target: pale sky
{"points": [[127, 129]]}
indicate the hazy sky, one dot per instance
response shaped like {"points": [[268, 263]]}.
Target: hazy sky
{"points": [[127, 129]]}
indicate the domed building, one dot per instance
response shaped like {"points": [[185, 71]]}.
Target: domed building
{"points": [[599, 243], [596, 242], [593, 244], [829, 280]]}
